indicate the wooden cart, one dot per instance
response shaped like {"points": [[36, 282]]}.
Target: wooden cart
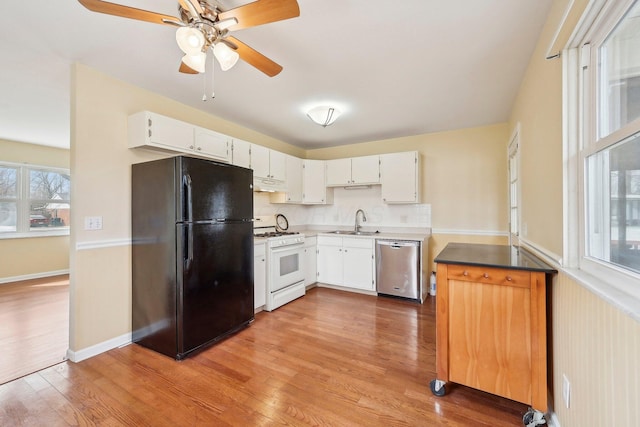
{"points": [[491, 323]]}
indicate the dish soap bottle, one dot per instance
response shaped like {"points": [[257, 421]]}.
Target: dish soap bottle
{"points": [[432, 284]]}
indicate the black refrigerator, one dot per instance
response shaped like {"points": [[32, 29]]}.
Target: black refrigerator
{"points": [[192, 253]]}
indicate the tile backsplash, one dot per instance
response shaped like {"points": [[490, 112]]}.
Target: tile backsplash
{"points": [[342, 211]]}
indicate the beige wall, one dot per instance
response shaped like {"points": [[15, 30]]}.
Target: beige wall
{"points": [[32, 257], [464, 175], [100, 164], [594, 344]]}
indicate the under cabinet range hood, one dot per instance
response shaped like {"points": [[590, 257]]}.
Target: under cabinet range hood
{"points": [[268, 185]]}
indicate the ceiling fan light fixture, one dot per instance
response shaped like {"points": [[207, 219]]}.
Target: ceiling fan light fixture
{"points": [[195, 62], [226, 23], [226, 56], [324, 115], [190, 40]]}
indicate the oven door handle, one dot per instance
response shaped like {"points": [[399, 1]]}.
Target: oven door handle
{"points": [[278, 249]]}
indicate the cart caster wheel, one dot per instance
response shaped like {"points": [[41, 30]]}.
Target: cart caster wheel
{"points": [[437, 388], [533, 418]]}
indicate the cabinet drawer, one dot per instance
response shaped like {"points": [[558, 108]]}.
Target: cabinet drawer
{"points": [[259, 249], [494, 276], [357, 242], [329, 241]]}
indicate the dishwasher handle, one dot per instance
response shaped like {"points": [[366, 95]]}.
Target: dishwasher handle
{"points": [[397, 244]]}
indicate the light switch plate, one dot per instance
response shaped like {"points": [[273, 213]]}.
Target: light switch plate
{"points": [[93, 223]]}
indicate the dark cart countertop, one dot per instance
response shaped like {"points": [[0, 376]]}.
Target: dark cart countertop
{"points": [[499, 256]]}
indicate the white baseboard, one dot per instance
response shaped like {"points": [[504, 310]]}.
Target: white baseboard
{"points": [[33, 276], [553, 420], [94, 350]]}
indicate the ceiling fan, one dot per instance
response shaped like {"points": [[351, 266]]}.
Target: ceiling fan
{"points": [[202, 24]]}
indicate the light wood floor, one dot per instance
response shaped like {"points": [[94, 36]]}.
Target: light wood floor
{"points": [[34, 325], [329, 358]]}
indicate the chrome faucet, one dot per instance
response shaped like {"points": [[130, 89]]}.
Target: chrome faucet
{"points": [[364, 219]]}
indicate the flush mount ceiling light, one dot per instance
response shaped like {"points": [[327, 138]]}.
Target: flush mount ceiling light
{"points": [[324, 115]]}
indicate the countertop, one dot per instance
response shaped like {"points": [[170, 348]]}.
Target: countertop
{"points": [[385, 234], [498, 256]]}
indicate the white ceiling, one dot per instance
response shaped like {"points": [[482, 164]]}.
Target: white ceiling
{"points": [[394, 68]]}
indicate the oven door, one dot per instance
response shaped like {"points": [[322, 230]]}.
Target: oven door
{"points": [[286, 266]]}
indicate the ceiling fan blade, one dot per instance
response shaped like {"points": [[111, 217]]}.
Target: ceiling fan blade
{"points": [[184, 68], [261, 12], [193, 6], [255, 58], [127, 12]]}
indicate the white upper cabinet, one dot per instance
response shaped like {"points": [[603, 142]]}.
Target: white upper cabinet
{"points": [[338, 172], [400, 177], [267, 163], [314, 189], [211, 144], [260, 161], [278, 165], [241, 153], [294, 180], [353, 171], [365, 170], [147, 129]]}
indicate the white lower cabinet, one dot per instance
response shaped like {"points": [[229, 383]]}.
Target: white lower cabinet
{"points": [[310, 261], [259, 275], [347, 262]]}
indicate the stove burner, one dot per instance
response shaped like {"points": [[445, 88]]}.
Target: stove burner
{"points": [[275, 233]]}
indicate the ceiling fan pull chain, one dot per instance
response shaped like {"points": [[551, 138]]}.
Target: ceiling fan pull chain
{"points": [[204, 86], [213, 66]]}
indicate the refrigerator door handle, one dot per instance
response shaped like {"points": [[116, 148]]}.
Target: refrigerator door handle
{"points": [[186, 182], [188, 256]]}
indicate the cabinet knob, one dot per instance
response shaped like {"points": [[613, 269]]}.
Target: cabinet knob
{"points": [[509, 278], [199, 148], [485, 275], [191, 147], [465, 273]]}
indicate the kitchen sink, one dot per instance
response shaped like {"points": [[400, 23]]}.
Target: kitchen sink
{"points": [[354, 233]]}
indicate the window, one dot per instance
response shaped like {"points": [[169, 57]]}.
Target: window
{"points": [[33, 200], [607, 79]]}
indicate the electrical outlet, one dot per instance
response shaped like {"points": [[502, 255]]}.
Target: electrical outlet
{"points": [[93, 223], [566, 390]]}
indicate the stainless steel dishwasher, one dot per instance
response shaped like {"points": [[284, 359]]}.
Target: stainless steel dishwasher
{"points": [[398, 268]]}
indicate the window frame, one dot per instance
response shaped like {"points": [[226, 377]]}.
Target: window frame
{"points": [[23, 203], [581, 140]]}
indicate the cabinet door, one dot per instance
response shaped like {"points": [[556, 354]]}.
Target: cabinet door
{"points": [[330, 260], [314, 190], [212, 144], [365, 170], [400, 177], [310, 261], [277, 165], [338, 172], [358, 263], [169, 133], [241, 153], [294, 180], [259, 276], [260, 161]]}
